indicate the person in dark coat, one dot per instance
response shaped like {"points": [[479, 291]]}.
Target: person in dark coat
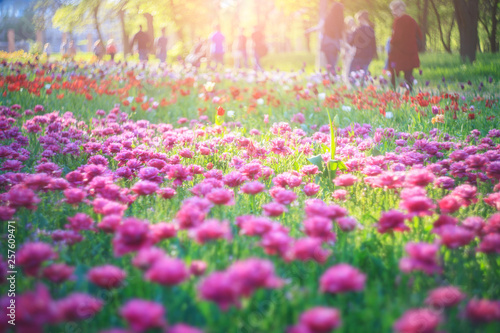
{"points": [[406, 34], [142, 40], [363, 39], [333, 33], [161, 46]]}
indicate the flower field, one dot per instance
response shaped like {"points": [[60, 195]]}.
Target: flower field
{"points": [[166, 200]]}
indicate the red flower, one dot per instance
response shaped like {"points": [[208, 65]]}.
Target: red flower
{"points": [[220, 111]]}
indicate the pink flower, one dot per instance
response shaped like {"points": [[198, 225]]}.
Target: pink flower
{"points": [[78, 306], [311, 189], [234, 179], [253, 188], [197, 267], [145, 187], [79, 222], [221, 197], [183, 328], [493, 224], [274, 209], [444, 297], [33, 310], [131, 235], [347, 223], [483, 310], [284, 197], [308, 248], [19, 196], [107, 276], [142, 315], [253, 273], [6, 213], [454, 236], [392, 220], [473, 223], [450, 204], [422, 257], [418, 321], [58, 273], [319, 227], [310, 170], [211, 230], [339, 195], [254, 226], [31, 256], [167, 271], [342, 278], [419, 177], [418, 206], [276, 242], [320, 319], [150, 174], [493, 200], [166, 192], [467, 193], [163, 230], [345, 180], [146, 257], [74, 195], [109, 223], [490, 244], [251, 170], [12, 165], [219, 287]]}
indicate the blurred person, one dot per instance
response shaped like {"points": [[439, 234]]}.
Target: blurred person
{"points": [[161, 46], [259, 46], [363, 40], [64, 50], [71, 50], [240, 50], [217, 51], [99, 49], [142, 40], [333, 32], [46, 50], [347, 51], [406, 34], [111, 49], [198, 52]]}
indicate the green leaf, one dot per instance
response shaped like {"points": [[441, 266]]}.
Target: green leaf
{"points": [[333, 145], [317, 161], [336, 165]]}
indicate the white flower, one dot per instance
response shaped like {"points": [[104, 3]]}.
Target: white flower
{"points": [[230, 113], [130, 99], [415, 82], [209, 86], [47, 86], [389, 115], [346, 108], [201, 96], [216, 99], [321, 96], [260, 101]]}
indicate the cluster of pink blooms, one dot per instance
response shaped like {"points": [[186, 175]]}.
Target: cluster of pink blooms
{"points": [[157, 160]]}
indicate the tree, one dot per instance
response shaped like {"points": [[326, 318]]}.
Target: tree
{"points": [[444, 35], [489, 12], [467, 14]]}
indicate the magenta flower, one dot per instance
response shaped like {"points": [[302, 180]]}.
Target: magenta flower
{"points": [[107, 276], [167, 271], [345, 180], [142, 315], [342, 278], [418, 321], [444, 297]]}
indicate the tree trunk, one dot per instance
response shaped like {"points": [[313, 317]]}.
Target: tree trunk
{"points": [[95, 14], [125, 36], [494, 24], [467, 14], [447, 46], [424, 21], [150, 31]]}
